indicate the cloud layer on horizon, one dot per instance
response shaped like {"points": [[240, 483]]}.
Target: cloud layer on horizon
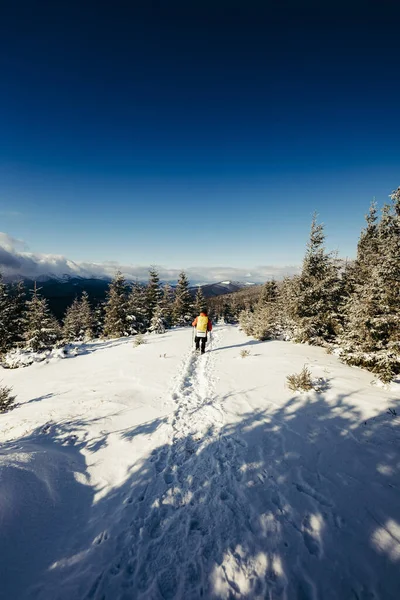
{"points": [[16, 261]]}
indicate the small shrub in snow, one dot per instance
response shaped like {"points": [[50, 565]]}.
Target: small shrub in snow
{"points": [[244, 353], [6, 399], [300, 382], [139, 340]]}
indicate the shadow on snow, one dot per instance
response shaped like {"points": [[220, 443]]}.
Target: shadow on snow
{"points": [[297, 501]]}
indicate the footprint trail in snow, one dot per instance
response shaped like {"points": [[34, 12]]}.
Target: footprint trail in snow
{"points": [[191, 528]]}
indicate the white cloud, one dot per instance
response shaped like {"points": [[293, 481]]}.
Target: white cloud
{"points": [[16, 261]]}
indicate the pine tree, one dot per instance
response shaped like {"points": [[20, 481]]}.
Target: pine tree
{"points": [[199, 301], [86, 316], [269, 292], [98, 319], [5, 317], [116, 322], [227, 314], [72, 325], [18, 297], [183, 304], [372, 331], [42, 329], [137, 309], [264, 322], [368, 246], [78, 321], [167, 302], [157, 324], [319, 292], [153, 293]]}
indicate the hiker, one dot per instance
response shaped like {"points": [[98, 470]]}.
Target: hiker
{"points": [[202, 324]]}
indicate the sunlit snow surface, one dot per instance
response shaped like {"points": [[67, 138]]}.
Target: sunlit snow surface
{"points": [[152, 472]]}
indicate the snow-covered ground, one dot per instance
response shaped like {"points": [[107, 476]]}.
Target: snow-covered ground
{"points": [[154, 473]]}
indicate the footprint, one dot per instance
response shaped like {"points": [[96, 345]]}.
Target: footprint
{"points": [[154, 526], [168, 583], [305, 590], [305, 489], [142, 496], [102, 537], [130, 568], [168, 476], [339, 521], [115, 569], [193, 574], [310, 535], [161, 461], [311, 544]]}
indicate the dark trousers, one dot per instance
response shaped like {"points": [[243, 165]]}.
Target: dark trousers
{"points": [[203, 341]]}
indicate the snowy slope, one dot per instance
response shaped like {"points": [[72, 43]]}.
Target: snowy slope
{"points": [[154, 473]]}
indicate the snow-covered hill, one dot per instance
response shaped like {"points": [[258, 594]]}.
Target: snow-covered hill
{"points": [[151, 472]]}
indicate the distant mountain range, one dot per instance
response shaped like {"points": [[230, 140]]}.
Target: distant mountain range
{"points": [[223, 287], [61, 291]]}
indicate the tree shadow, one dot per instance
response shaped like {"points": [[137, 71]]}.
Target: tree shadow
{"points": [[245, 344], [144, 428], [38, 399], [294, 501], [74, 349]]}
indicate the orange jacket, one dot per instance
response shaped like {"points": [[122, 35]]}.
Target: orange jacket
{"points": [[209, 324]]}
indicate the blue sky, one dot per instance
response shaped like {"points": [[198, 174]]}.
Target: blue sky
{"points": [[184, 134]]}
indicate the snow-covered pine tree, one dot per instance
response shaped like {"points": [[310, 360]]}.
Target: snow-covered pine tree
{"points": [[319, 292], [72, 325], [269, 292], [157, 324], [199, 301], [98, 319], [5, 317], [368, 246], [227, 314], [116, 309], [153, 293], [371, 337], [18, 298], [264, 321], [78, 321], [167, 302], [183, 303], [86, 313], [41, 328], [137, 309]]}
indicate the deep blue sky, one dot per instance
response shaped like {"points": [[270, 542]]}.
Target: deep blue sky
{"points": [[195, 133]]}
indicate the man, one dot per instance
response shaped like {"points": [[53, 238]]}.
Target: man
{"points": [[203, 325]]}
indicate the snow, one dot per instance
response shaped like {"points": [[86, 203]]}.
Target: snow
{"points": [[151, 472], [225, 282]]}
